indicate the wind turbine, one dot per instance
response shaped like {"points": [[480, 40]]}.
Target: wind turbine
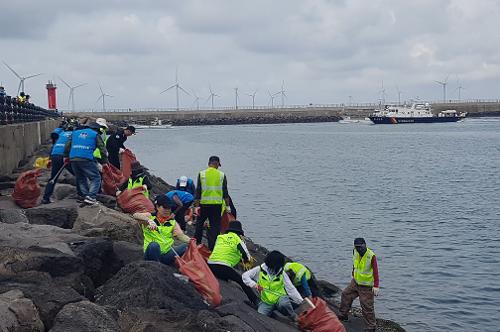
{"points": [[236, 97], [71, 98], [21, 78], [459, 88], [177, 87], [382, 94], [196, 100], [253, 98], [282, 93], [444, 84], [102, 96], [272, 96], [212, 95], [399, 95]]}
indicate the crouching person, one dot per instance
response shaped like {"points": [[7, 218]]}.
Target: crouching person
{"points": [[275, 287], [229, 250], [302, 279], [159, 232]]}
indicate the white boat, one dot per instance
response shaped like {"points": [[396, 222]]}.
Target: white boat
{"points": [[154, 124], [347, 119]]}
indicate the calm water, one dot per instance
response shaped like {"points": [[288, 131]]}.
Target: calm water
{"points": [[426, 198]]}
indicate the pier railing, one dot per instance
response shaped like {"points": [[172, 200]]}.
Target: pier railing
{"points": [[13, 111]]}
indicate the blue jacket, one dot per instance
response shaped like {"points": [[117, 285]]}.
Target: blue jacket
{"points": [[58, 148], [83, 144], [185, 197]]}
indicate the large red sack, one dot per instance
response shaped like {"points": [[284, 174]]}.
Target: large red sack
{"points": [[204, 251], [128, 157], [112, 179], [320, 319], [225, 220], [193, 265], [27, 189], [133, 200]]}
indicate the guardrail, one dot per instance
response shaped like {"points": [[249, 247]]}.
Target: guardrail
{"points": [[12, 111]]}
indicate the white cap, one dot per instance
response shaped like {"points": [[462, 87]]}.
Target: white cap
{"points": [[183, 181], [101, 122]]}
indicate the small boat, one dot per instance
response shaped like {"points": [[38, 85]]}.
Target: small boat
{"points": [[416, 113], [154, 124], [347, 119]]}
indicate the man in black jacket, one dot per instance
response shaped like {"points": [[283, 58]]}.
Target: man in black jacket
{"points": [[115, 146]]}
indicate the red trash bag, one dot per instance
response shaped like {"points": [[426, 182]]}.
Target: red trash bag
{"points": [[128, 157], [133, 200], [27, 189], [225, 220], [112, 179], [193, 265], [320, 319], [204, 251]]}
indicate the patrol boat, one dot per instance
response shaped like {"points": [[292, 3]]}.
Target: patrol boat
{"points": [[416, 113], [155, 124]]}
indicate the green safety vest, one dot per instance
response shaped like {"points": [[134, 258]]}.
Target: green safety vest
{"points": [[274, 288], [363, 270], [226, 249], [211, 186], [163, 235], [97, 152], [137, 183], [298, 271]]}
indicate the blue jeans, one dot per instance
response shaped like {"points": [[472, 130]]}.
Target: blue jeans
{"points": [[284, 306], [153, 253], [88, 178]]}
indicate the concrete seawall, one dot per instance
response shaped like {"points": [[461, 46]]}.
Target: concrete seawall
{"points": [[18, 141]]}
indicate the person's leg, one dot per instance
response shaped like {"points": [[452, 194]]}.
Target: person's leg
{"points": [[57, 163], [179, 217], [169, 257], [265, 309], [81, 180], [227, 273], [349, 294], [94, 177], [313, 285], [304, 287], [198, 234], [285, 307], [366, 299], [152, 252], [215, 218]]}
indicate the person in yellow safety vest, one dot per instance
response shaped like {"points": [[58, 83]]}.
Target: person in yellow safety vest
{"points": [[21, 98], [159, 232], [211, 192], [102, 131], [137, 178], [229, 250], [275, 287], [302, 279], [365, 284]]}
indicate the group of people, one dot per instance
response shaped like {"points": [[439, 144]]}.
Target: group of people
{"points": [[275, 284]]}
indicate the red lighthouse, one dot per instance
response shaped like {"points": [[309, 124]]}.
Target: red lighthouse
{"points": [[51, 94]]}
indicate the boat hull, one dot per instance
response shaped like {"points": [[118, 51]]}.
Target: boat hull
{"points": [[403, 120]]}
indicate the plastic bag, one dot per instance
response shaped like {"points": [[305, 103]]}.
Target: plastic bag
{"points": [[133, 201], [112, 179], [27, 189], [128, 157], [204, 251], [320, 319], [225, 220], [193, 265], [41, 162]]}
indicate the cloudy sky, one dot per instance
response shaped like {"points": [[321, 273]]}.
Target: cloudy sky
{"points": [[324, 51]]}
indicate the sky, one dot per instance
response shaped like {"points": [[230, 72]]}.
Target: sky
{"points": [[322, 52]]}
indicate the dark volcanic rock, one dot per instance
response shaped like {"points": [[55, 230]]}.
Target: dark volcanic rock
{"points": [[149, 285], [18, 313], [84, 316], [61, 214]]}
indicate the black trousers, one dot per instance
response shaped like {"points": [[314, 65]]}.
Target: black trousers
{"points": [[114, 158], [179, 216], [213, 213], [227, 273]]}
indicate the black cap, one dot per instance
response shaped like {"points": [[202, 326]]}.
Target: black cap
{"points": [[359, 241], [131, 128], [163, 201], [235, 227], [214, 159]]}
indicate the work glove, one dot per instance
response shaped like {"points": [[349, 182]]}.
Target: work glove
{"points": [[121, 150], [375, 291], [228, 209], [99, 167], [118, 192], [152, 225], [145, 187], [66, 161], [259, 288]]}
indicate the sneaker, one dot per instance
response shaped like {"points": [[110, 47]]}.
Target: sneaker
{"points": [[90, 201], [46, 201], [343, 318]]}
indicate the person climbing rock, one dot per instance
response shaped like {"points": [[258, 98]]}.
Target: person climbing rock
{"points": [[302, 279], [115, 146], [181, 201], [137, 178]]}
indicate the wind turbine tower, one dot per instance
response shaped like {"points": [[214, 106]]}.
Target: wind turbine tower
{"points": [[20, 88], [444, 84], [282, 93], [253, 98], [196, 100], [236, 97], [103, 97], [212, 95], [71, 98], [177, 87], [271, 98]]}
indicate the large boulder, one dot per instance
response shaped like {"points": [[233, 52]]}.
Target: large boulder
{"points": [[61, 214], [18, 313], [84, 316], [101, 221]]}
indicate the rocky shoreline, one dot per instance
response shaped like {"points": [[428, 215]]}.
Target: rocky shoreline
{"points": [[66, 267]]}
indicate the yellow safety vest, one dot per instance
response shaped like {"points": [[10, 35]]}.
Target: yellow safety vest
{"points": [[163, 235], [298, 271], [226, 249], [274, 288], [211, 186], [137, 183], [363, 270], [97, 152]]}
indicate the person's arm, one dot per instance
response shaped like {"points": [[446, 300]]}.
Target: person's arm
{"points": [[225, 194], [54, 137], [250, 276], [147, 183], [197, 195], [292, 292], [100, 145], [67, 147], [245, 254], [123, 186], [178, 233], [375, 272], [305, 286], [177, 202]]}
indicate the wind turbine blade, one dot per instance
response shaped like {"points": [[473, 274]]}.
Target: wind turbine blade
{"points": [[100, 87], [33, 76], [12, 70], [108, 95], [208, 99], [173, 86], [79, 85], [99, 98], [180, 87], [446, 80], [64, 82], [438, 82]]}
